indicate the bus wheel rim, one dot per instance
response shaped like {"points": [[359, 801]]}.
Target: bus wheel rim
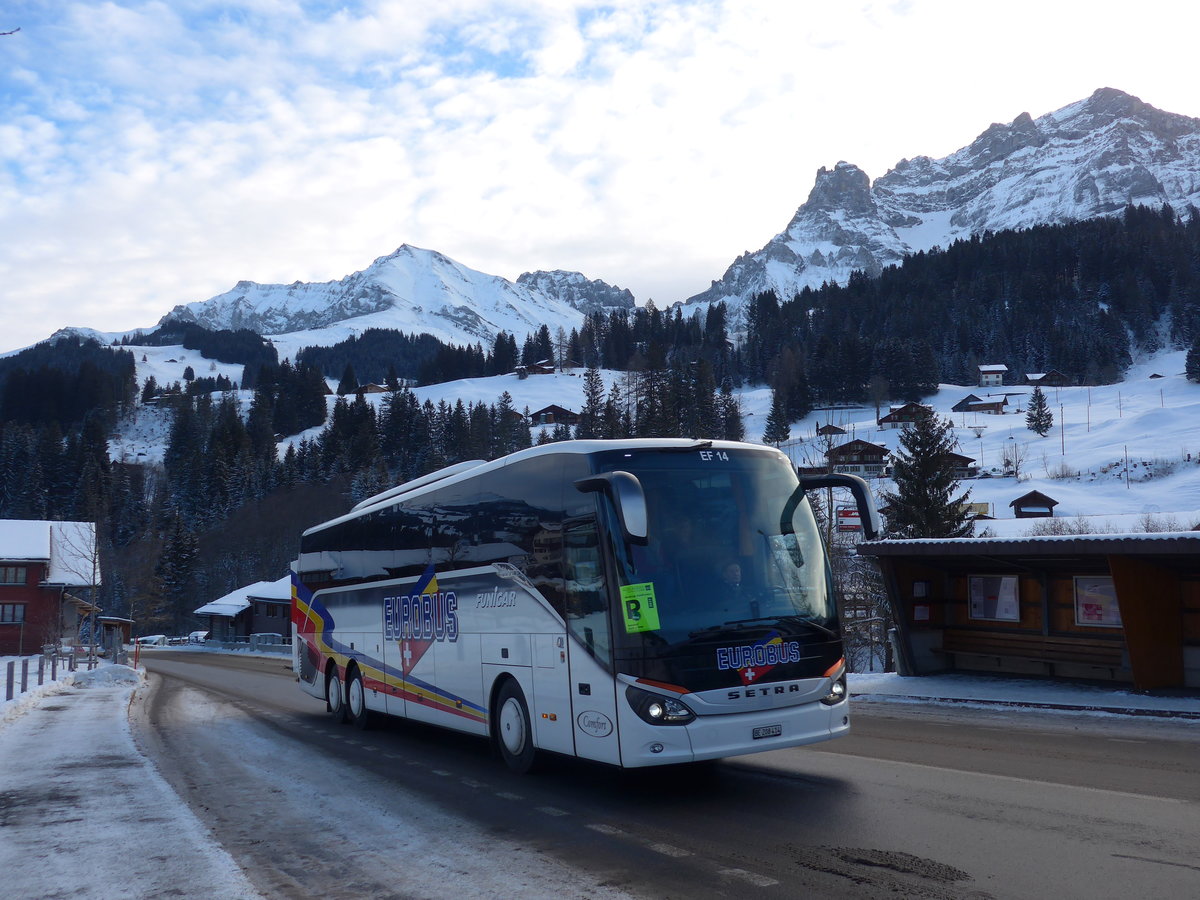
{"points": [[512, 726], [356, 696]]}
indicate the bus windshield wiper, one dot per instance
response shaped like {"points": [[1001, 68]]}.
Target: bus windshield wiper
{"points": [[791, 619], [739, 623]]}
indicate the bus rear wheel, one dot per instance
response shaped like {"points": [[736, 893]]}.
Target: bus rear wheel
{"points": [[335, 698], [514, 733], [356, 701]]}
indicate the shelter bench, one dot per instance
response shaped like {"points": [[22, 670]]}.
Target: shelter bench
{"points": [[1099, 652]]}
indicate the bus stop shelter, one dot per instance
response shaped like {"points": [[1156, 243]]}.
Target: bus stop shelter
{"points": [[1123, 608]]}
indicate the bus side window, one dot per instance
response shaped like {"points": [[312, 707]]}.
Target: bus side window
{"points": [[517, 522], [585, 590]]}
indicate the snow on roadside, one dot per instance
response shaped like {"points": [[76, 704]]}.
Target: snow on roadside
{"points": [[10, 709], [1031, 692], [86, 814]]}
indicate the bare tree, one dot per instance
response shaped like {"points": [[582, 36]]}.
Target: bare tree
{"points": [[1014, 457], [77, 552]]}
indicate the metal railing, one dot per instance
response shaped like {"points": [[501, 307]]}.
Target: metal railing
{"points": [[18, 677]]}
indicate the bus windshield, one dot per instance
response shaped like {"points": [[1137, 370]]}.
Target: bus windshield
{"points": [[732, 549]]}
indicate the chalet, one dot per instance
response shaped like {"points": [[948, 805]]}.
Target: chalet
{"points": [[858, 457], [515, 417], [903, 415], [553, 415], [830, 430], [1053, 378], [964, 404], [990, 407], [964, 466], [545, 367], [992, 376], [264, 607], [1033, 505], [47, 573], [371, 388]]}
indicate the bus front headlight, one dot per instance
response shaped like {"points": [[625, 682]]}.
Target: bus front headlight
{"points": [[657, 709], [837, 692]]}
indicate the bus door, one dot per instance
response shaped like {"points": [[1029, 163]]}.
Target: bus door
{"points": [[592, 686]]}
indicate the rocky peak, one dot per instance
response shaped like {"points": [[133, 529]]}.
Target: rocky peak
{"points": [[845, 186], [577, 290], [1085, 160]]}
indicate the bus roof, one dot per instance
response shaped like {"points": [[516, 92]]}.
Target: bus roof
{"points": [[464, 471]]}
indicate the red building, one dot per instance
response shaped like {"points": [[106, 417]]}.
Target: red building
{"points": [[47, 571]]}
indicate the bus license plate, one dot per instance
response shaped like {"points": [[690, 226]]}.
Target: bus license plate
{"points": [[766, 731]]}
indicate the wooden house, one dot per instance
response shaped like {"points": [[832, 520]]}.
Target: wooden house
{"points": [[992, 375], [900, 416], [858, 457], [553, 415], [1033, 505]]}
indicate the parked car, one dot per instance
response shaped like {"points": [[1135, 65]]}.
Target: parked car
{"points": [[152, 640], [197, 637]]}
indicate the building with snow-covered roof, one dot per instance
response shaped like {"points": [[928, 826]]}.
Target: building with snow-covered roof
{"points": [[260, 608], [47, 573], [992, 375]]}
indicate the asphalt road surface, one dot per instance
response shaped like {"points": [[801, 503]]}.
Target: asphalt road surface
{"points": [[917, 802]]}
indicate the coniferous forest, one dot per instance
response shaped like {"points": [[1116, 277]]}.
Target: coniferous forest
{"points": [[225, 509]]}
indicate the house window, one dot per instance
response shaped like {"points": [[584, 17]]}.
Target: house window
{"points": [[12, 613], [994, 597], [12, 574]]}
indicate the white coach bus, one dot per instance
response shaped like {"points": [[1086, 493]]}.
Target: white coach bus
{"points": [[639, 603]]}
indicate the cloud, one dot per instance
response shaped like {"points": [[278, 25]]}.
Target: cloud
{"points": [[154, 153]]}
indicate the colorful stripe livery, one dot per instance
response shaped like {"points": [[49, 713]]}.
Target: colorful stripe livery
{"points": [[314, 624]]}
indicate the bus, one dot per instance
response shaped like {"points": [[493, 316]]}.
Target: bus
{"points": [[635, 602]]}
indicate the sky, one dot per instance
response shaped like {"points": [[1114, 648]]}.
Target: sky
{"points": [[154, 153]]}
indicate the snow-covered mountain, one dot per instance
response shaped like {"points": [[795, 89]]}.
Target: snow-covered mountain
{"points": [[411, 290], [1088, 159], [584, 294]]}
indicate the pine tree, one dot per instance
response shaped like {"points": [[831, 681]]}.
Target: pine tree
{"points": [[591, 416], [348, 383], [732, 427], [778, 428], [923, 504], [1039, 418], [1191, 366]]}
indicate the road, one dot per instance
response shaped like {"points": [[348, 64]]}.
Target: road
{"points": [[917, 802]]}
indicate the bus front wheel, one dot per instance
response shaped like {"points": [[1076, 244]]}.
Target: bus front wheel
{"points": [[514, 733], [335, 698]]}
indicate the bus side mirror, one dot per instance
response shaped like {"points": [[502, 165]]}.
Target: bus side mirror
{"points": [[867, 512], [628, 499]]}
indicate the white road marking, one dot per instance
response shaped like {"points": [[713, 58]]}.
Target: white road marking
{"points": [[1011, 778], [606, 829], [753, 877], [670, 850]]}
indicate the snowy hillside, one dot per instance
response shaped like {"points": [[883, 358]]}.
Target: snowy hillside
{"points": [[412, 290], [1151, 421], [1088, 159], [1081, 463]]}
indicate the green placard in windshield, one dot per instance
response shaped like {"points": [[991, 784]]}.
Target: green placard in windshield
{"points": [[639, 607]]}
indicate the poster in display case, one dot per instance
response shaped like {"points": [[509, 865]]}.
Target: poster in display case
{"points": [[1096, 601], [994, 597]]}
